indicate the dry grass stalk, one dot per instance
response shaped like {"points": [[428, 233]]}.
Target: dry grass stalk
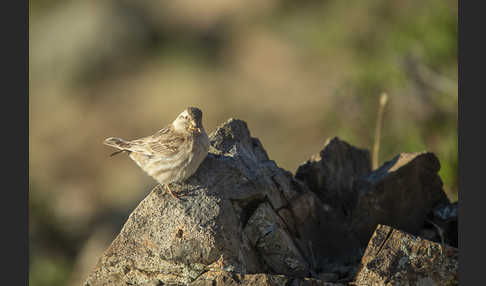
{"points": [[379, 124]]}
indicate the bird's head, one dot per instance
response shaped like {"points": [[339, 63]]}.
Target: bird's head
{"points": [[190, 120]]}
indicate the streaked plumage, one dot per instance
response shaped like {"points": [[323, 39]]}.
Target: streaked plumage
{"points": [[173, 153]]}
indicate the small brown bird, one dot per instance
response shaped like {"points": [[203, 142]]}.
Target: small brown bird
{"points": [[172, 154]]}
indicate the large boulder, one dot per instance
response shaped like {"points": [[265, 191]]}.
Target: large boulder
{"points": [[239, 212], [394, 257], [405, 192], [332, 172], [401, 193]]}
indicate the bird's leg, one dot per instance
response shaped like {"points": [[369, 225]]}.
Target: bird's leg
{"points": [[170, 191]]}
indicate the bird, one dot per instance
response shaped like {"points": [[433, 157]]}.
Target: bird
{"points": [[172, 154]]}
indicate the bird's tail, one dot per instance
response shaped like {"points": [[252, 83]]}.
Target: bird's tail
{"points": [[119, 143]]}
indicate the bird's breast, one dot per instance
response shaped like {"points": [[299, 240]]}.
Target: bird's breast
{"points": [[181, 165]]}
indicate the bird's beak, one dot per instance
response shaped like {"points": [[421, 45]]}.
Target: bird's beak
{"points": [[194, 128]]}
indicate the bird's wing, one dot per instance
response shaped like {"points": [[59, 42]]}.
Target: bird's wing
{"points": [[167, 142], [167, 147], [164, 142], [164, 131]]}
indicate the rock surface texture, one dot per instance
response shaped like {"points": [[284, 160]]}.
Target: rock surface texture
{"points": [[242, 220], [220, 278], [331, 173], [401, 193], [394, 257]]}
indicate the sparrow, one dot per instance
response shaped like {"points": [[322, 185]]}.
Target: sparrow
{"points": [[173, 153]]}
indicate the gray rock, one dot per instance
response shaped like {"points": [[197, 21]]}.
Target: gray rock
{"points": [[227, 219], [446, 212], [400, 193], [225, 278], [405, 193], [324, 235], [446, 217], [268, 234], [394, 257], [328, 276], [332, 172], [240, 215]]}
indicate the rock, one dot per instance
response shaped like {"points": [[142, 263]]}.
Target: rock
{"points": [[323, 233], [394, 257], [221, 278], [446, 212], [441, 225], [446, 216], [227, 219], [332, 172], [400, 193], [242, 220], [328, 276], [267, 233]]}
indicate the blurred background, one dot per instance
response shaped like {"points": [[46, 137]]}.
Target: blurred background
{"points": [[298, 72]]}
